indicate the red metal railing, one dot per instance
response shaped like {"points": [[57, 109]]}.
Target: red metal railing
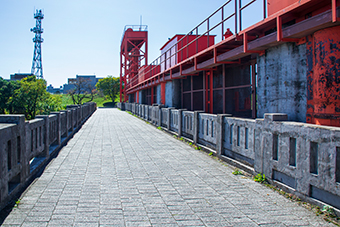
{"points": [[209, 25]]}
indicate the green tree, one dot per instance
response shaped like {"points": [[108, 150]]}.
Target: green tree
{"points": [[82, 90], [26, 99], [109, 86], [7, 89], [49, 103]]}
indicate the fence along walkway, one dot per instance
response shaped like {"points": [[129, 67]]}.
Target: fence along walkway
{"points": [[120, 171]]}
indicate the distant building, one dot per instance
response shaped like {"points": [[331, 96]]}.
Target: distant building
{"points": [[92, 81], [53, 90], [19, 76]]}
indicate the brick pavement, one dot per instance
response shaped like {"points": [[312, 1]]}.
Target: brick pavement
{"points": [[120, 171]]}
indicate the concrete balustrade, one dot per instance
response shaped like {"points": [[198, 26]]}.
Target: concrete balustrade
{"points": [[27, 146], [304, 159]]}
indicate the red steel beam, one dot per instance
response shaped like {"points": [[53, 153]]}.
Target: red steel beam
{"points": [[211, 91], [279, 34], [334, 13]]}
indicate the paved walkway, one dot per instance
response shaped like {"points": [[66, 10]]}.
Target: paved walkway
{"points": [[120, 171]]}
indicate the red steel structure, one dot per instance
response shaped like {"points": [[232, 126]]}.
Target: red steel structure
{"points": [[283, 21], [133, 55]]}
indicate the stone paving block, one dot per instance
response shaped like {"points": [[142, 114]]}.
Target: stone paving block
{"points": [[34, 224], [88, 224]]}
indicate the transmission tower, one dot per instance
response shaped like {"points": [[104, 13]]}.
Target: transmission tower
{"points": [[36, 64]]}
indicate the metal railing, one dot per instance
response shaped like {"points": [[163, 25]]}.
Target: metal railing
{"points": [[142, 28]]}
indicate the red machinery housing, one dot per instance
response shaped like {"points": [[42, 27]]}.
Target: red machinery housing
{"points": [[133, 55], [323, 94]]}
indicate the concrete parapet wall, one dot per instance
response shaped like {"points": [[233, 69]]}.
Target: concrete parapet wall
{"points": [[303, 158], [27, 146]]}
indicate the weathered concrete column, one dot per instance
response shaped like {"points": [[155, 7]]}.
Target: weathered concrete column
{"points": [[169, 117], [46, 134], [220, 132], [196, 126], [58, 126]]}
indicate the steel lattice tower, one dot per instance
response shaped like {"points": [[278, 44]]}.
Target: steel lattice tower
{"points": [[37, 64]]}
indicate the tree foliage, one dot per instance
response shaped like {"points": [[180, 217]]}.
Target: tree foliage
{"points": [[49, 103], [27, 96], [82, 89], [109, 86], [7, 89]]}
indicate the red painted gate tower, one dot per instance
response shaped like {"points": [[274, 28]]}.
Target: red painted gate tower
{"points": [[133, 55]]}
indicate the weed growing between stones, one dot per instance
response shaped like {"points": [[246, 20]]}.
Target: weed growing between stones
{"points": [[329, 210], [17, 203], [261, 178], [189, 143], [237, 172]]}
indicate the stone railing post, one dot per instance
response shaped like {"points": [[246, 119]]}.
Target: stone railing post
{"points": [[143, 110], [264, 140], [46, 134], [78, 116], [159, 115], [220, 132], [82, 107], [180, 122], [66, 122], [147, 113], [71, 119], [196, 126], [58, 127], [169, 117], [24, 154]]}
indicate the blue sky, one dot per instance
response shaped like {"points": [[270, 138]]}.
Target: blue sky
{"points": [[83, 36]]}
